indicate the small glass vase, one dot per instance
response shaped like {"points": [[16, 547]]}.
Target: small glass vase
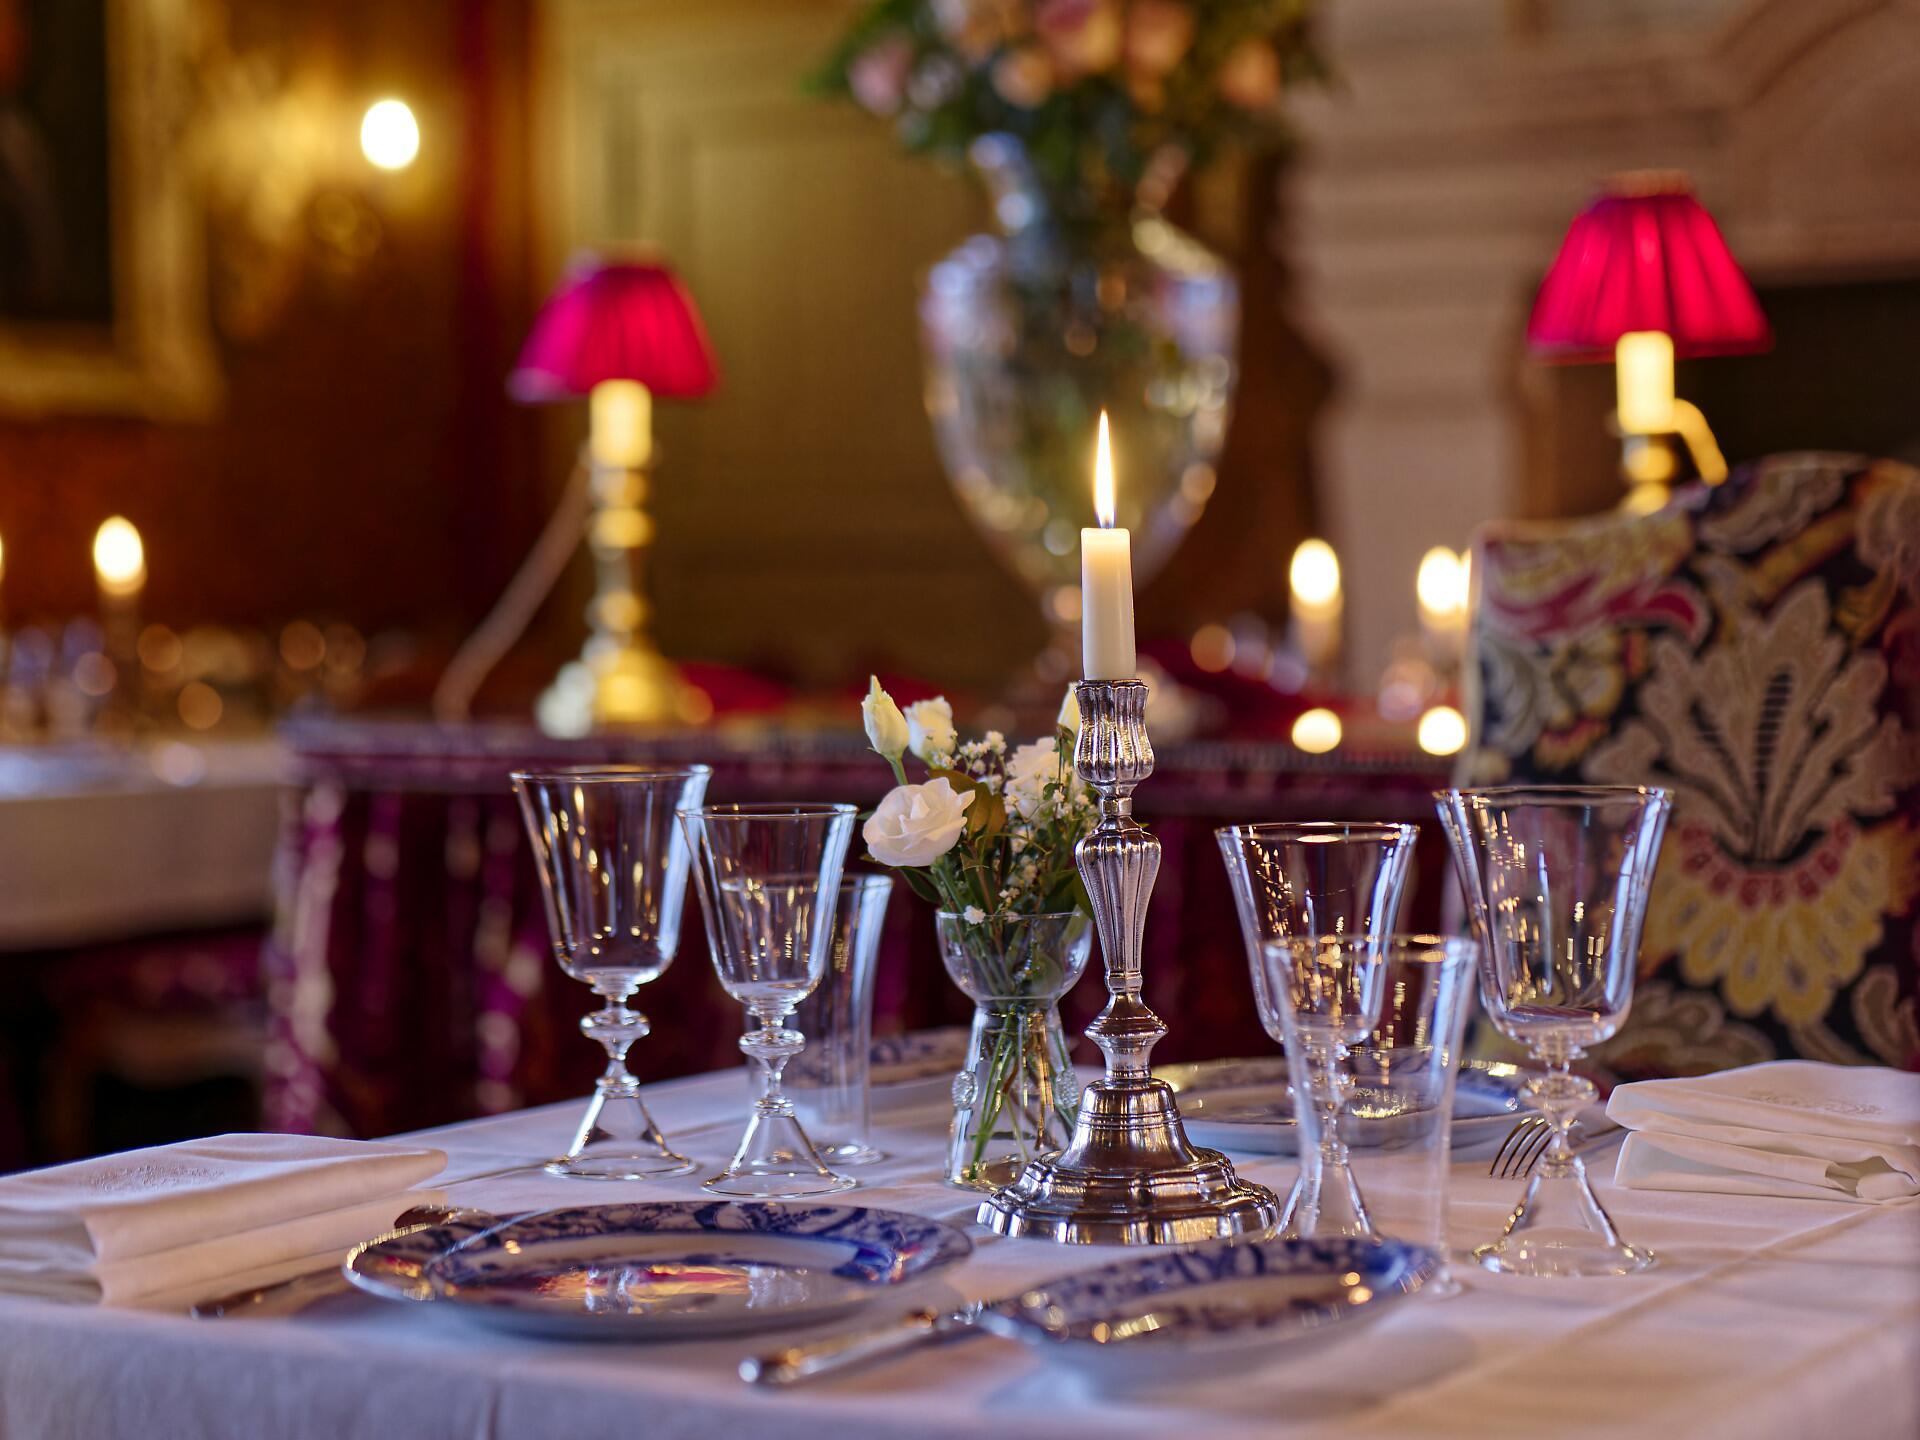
{"points": [[1017, 1096]]}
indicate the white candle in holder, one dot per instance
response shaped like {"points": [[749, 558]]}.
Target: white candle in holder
{"points": [[1106, 580]]}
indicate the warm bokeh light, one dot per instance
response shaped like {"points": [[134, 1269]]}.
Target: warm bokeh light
{"points": [[159, 649], [302, 645], [119, 559], [199, 705], [1314, 575], [1441, 584], [1443, 730], [1212, 648], [1103, 477], [1317, 731], [389, 135]]}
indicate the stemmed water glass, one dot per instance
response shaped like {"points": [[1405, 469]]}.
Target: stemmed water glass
{"points": [[769, 880], [613, 872], [1557, 879], [1317, 902]]}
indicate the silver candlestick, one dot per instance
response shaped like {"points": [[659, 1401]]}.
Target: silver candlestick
{"points": [[1128, 1176]]}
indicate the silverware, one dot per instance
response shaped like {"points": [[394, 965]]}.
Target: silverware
{"points": [[1528, 1141], [795, 1363], [317, 1282]]}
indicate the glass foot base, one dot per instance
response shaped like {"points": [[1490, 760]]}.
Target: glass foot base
{"points": [[1531, 1254], [855, 1153], [778, 1187], [600, 1165]]}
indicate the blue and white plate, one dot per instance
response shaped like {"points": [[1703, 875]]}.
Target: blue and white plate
{"points": [[1183, 1306], [916, 1068], [1246, 1106], [667, 1270]]}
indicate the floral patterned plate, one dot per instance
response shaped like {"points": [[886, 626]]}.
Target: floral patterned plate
{"points": [[1172, 1308], [916, 1068], [667, 1270], [1246, 1106]]}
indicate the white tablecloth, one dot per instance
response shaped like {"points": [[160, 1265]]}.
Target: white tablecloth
{"points": [[1769, 1317]]}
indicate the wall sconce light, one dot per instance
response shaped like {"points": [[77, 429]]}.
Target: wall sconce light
{"points": [[389, 135]]}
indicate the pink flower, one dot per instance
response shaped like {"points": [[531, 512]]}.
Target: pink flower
{"points": [[878, 77], [1083, 37], [1023, 77], [1250, 77], [1159, 33]]}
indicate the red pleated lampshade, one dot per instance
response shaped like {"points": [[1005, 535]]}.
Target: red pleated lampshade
{"points": [[1645, 258], [630, 321]]}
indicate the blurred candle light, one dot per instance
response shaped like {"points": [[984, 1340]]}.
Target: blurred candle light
{"points": [[119, 558], [1317, 731], [1443, 731], [1106, 579], [1440, 585], [1314, 578], [389, 135]]}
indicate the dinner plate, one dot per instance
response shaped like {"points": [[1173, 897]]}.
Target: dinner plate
{"points": [[1173, 1308], [917, 1068], [1246, 1106], [666, 1270]]}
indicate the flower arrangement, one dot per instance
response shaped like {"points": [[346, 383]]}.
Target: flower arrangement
{"points": [[989, 833], [1094, 90], [988, 837]]}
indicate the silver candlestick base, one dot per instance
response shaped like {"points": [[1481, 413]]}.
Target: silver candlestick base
{"points": [[1128, 1176]]}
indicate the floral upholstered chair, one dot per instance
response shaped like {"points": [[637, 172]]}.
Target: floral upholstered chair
{"points": [[1755, 647]]}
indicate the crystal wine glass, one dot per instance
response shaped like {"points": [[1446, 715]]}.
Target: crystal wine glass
{"points": [[613, 872], [1317, 902], [769, 880], [1557, 879]]}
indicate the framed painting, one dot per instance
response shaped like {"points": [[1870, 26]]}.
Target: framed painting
{"points": [[102, 271]]}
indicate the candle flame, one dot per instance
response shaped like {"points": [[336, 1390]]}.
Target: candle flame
{"points": [[1314, 575], [119, 559], [1103, 477]]}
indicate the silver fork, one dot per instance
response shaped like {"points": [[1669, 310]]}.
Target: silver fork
{"points": [[1528, 1141]]}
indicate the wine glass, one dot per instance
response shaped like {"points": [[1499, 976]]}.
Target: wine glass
{"points": [[1557, 879], [1317, 902], [613, 873], [769, 880]]}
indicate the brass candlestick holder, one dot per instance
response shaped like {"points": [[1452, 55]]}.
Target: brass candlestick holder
{"points": [[1129, 1175]]}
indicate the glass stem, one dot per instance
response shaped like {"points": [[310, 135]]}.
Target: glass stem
{"points": [[616, 1028], [1560, 1095], [772, 1046]]}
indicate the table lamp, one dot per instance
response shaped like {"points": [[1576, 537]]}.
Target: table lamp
{"points": [[1644, 275], [618, 335]]}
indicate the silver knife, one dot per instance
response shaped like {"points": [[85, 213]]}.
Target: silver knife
{"points": [[795, 1363]]}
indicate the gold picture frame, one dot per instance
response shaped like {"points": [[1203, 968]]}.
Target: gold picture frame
{"points": [[151, 353]]}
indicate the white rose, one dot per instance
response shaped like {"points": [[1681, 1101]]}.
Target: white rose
{"points": [[886, 726], [1069, 716], [930, 729], [1030, 769], [917, 824]]}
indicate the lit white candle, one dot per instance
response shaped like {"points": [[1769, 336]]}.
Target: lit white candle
{"points": [[1440, 585], [1106, 580], [621, 424], [119, 559], [1314, 578]]}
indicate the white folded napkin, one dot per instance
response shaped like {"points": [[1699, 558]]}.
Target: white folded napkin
{"points": [[120, 1227], [1788, 1127]]}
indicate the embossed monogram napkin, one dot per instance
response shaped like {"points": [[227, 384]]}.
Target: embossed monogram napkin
{"points": [[1788, 1127], [120, 1227]]}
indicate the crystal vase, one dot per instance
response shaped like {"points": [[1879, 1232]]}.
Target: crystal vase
{"points": [[1017, 1096], [1083, 300]]}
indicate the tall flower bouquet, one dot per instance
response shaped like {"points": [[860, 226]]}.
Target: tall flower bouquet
{"points": [[1095, 91], [988, 838]]}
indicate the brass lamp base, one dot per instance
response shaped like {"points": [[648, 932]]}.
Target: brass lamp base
{"points": [[1129, 1177]]}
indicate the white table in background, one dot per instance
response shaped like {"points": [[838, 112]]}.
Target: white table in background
{"points": [[1769, 1318]]}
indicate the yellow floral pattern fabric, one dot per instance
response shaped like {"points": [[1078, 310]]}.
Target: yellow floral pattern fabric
{"points": [[1756, 647]]}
